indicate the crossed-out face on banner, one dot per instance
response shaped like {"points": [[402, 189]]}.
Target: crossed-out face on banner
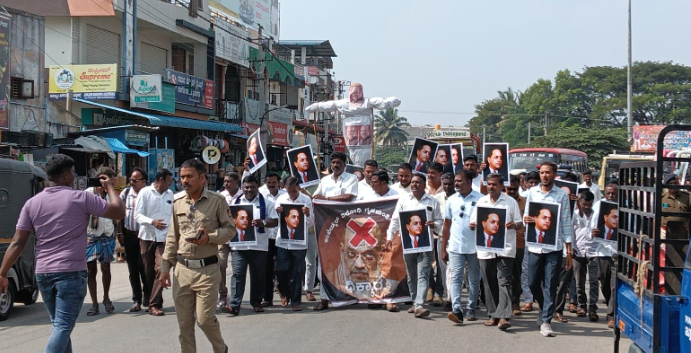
{"points": [[242, 216], [255, 152], [422, 154], [354, 268], [607, 222], [490, 231], [543, 232], [292, 224], [496, 155], [415, 235], [302, 165]]}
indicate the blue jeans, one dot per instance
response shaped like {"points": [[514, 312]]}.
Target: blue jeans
{"points": [[419, 267], [63, 294], [544, 274], [457, 263], [525, 283], [256, 261]]}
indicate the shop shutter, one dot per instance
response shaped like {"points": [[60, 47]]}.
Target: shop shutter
{"points": [[153, 59], [103, 47]]}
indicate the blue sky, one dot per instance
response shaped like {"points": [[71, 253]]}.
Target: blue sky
{"points": [[447, 56]]}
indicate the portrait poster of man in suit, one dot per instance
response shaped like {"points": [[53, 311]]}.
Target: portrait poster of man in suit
{"points": [[490, 232], [496, 157], [365, 135], [302, 166], [443, 157], [571, 188], [422, 154], [415, 236], [543, 232], [457, 157], [255, 152], [242, 216], [607, 222], [292, 224]]}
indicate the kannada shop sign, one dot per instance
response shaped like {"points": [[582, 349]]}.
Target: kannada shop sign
{"points": [[192, 90], [146, 89], [90, 82]]}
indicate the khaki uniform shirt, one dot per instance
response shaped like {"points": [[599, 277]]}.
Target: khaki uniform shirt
{"points": [[520, 234], [680, 203], [210, 212]]}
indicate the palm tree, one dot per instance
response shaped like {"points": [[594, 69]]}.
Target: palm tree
{"points": [[388, 128]]}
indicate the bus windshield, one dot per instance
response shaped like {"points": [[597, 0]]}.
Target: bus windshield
{"points": [[528, 161]]}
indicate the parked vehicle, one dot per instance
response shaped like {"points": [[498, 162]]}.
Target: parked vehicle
{"points": [[653, 261], [19, 181]]}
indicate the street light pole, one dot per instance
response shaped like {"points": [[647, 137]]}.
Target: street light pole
{"points": [[629, 87]]}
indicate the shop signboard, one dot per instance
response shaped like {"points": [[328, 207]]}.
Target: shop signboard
{"points": [[191, 90], [96, 117], [252, 111], [137, 137], [4, 71], [278, 134], [230, 44], [91, 82], [167, 103], [146, 89], [255, 13]]}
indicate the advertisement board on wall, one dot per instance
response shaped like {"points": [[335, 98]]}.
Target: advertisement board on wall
{"points": [[146, 89], [167, 103], [229, 43], [4, 72], [252, 13], [191, 90], [91, 82], [645, 139]]}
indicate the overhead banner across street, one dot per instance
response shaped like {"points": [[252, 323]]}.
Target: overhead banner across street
{"points": [[354, 269]]}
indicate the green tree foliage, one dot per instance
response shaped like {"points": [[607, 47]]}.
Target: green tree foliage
{"points": [[597, 143], [590, 105], [390, 156], [388, 127]]}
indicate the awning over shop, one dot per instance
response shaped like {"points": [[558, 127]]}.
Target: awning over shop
{"points": [[278, 68], [118, 147], [171, 121], [93, 144], [240, 136]]}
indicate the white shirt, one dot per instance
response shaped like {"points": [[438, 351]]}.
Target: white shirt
{"points": [[230, 199], [309, 221], [513, 214], [371, 195], [409, 202], [400, 189], [585, 246], [346, 184], [273, 232], [363, 188], [477, 182], [152, 205], [603, 249], [105, 225], [595, 189], [262, 238], [461, 238]]}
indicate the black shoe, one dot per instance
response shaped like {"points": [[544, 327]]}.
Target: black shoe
{"points": [[374, 306], [456, 316], [230, 310], [447, 306]]}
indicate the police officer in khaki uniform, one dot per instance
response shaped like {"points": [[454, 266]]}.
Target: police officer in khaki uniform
{"points": [[200, 223], [673, 200]]}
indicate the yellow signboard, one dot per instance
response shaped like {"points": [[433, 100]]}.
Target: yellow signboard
{"points": [[85, 81]]}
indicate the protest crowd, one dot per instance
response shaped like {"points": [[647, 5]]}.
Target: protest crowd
{"points": [[404, 245]]}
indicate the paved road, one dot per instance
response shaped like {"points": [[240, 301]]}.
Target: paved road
{"points": [[355, 328]]}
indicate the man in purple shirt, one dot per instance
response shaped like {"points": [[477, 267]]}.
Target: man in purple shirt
{"points": [[58, 216]]}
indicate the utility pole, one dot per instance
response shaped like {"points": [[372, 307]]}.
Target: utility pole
{"points": [[529, 132], [483, 138], [545, 126], [261, 78], [629, 87]]}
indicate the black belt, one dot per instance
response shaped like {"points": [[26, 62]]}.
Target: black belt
{"points": [[198, 263]]}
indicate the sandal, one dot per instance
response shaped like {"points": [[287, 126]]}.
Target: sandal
{"points": [[323, 305], [93, 311], [297, 308], [310, 297], [560, 318], [109, 306], [258, 309], [527, 307]]}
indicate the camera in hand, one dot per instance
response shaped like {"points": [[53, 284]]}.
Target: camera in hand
{"points": [[199, 236], [94, 182]]}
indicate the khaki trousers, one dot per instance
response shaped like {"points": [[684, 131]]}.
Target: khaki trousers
{"points": [[195, 292]]}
